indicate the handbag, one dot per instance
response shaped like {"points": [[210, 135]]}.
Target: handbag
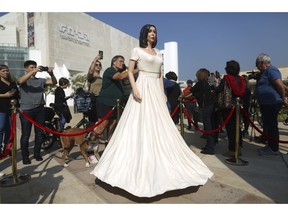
{"points": [[225, 97]]}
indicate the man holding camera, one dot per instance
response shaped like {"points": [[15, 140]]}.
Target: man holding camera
{"points": [[32, 103], [270, 94]]}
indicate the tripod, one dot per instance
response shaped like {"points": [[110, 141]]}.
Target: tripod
{"points": [[256, 116]]}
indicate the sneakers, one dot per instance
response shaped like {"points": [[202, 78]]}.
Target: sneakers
{"points": [[205, 151], [26, 161], [92, 159], [38, 158], [267, 151]]}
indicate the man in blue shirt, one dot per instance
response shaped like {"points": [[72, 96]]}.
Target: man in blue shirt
{"points": [[270, 94]]}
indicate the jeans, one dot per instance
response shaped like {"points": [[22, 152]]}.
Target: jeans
{"points": [[270, 123], [5, 129], [62, 122], [207, 124], [193, 112], [38, 115]]}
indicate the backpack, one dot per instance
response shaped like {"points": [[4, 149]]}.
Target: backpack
{"points": [[225, 97]]}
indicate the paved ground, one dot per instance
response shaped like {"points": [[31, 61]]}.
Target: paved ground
{"points": [[263, 180]]}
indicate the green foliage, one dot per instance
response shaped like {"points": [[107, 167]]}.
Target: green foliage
{"points": [[49, 90], [78, 81]]}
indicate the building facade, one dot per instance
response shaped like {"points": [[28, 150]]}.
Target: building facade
{"points": [[70, 39]]}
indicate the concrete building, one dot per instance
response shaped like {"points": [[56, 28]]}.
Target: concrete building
{"points": [[66, 41], [70, 39]]}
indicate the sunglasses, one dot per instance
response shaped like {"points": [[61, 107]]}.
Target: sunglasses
{"points": [[98, 65]]}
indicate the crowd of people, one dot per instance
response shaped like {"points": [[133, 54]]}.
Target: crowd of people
{"points": [[138, 156]]}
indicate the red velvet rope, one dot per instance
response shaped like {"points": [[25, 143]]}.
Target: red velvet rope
{"points": [[175, 110], [212, 131], [11, 139], [62, 134], [256, 128]]}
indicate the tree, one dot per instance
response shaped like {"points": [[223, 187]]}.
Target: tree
{"points": [[78, 81]]}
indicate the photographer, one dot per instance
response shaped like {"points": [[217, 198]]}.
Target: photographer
{"points": [[32, 103], [270, 94], [94, 85]]}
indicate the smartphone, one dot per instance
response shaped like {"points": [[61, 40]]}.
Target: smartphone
{"points": [[101, 53], [44, 68]]}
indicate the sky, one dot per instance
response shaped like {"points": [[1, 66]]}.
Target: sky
{"points": [[208, 35], [209, 40]]}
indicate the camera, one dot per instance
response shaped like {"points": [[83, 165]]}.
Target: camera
{"points": [[253, 75], [44, 68]]}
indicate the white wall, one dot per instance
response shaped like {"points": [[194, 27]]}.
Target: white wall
{"points": [[8, 36]]}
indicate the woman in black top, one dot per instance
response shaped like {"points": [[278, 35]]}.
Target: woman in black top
{"points": [[202, 91], [8, 91], [61, 102], [237, 85]]}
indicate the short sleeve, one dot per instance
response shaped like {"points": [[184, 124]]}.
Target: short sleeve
{"points": [[273, 74], [135, 54]]}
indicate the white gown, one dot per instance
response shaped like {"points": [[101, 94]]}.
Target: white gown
{"points": [[147, 155]]}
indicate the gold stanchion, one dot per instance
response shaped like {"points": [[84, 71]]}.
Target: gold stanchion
{"points": [[14, 178], [181, 117], [236, 160], [118, 109]]}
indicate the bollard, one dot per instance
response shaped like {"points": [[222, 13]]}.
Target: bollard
{"points": [[14, 178], [236, 160], [181, 118]]}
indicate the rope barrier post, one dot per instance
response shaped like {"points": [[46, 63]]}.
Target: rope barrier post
{"points": [[181, 118], [118, 109], [14, 178], [236, 160]]}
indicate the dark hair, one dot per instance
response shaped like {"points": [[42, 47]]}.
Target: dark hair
{"points": [[143, 36], [2, 66], [115, 58], [202, 74], [189, 81], [29, 62], [171, 76], [63, 81], [232, 67]]}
